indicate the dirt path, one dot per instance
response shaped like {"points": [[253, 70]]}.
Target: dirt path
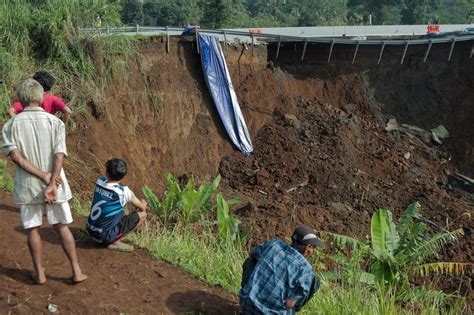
{"points": [[118, 282]]}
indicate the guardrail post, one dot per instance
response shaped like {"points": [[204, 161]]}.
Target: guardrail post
{"points": [[428, 51], [137, 28], [404, 52], [252, 37], [167, 40], [304, 48], [355, 52], [330, 51], [197, 41], [452, 48], [278, 47], [108, 29], [381, 52], [225, 38]]}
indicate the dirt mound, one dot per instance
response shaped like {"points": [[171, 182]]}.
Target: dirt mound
{"points": [[333, 167]]}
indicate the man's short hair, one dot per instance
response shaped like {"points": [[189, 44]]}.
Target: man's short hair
{"points": [[116, 169], [29, 91], [45, 79]]}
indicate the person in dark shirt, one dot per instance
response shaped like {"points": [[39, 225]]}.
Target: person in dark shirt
{"points": [[108, 220]]}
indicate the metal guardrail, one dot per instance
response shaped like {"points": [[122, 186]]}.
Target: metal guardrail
{"points": [[254, 37], [147, 30]]}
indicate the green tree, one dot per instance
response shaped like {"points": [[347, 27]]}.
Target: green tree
{"points": [[322, 12], [223, 13], [420, 11], [382, 11], [132, 12]]}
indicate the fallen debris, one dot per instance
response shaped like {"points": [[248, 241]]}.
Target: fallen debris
{"points": [[461, 181], [391, 125], [441, 132], [53, 308], [297, 186]]}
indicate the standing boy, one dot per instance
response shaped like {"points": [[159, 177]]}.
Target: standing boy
{"points": [[108, 220], [51, 103], [36, 142]]}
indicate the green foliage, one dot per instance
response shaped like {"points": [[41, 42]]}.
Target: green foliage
{"points": [[274, 13], [132, 12], [229, 227], [396, 253], [192, 204], [6, 180], [44, 35], [81, 208], [202, 254], [185, 205]]}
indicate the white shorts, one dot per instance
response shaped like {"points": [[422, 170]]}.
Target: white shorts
{"points": [[32, 215]]}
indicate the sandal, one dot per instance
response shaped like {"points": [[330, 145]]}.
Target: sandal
{"points": [[121, 247]]}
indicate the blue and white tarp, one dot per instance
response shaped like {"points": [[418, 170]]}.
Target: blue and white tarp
{"points": [[223, 93]]}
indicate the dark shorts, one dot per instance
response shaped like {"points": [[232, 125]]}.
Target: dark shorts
{"points": [[128, 223]]}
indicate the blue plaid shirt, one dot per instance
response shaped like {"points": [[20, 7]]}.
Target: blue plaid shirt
{"points": [[281, 273]]}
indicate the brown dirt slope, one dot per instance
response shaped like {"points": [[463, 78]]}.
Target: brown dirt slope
{"points": [[133, 283], [328, 162]]}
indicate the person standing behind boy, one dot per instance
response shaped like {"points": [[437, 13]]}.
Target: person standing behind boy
{"points": [[51, 103], [36, 142], [108, 220]]}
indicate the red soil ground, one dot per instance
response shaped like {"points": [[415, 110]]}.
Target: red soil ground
{"points": [[133, 283]]}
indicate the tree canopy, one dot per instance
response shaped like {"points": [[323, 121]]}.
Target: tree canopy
{"points": [[284, 13]]}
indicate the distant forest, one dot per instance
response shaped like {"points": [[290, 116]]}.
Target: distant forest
{"points": [[281, 13]]}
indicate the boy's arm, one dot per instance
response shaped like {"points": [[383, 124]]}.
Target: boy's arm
{"points": [[60, 106], [140, 204], [22, 162], [66, 113], [11, 112], [15, 109]]}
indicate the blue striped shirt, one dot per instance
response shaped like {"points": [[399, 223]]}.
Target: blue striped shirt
{"points": [[281, 273]]}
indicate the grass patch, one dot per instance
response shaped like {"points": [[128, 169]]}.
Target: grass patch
{"points": [[81, 208], [195, 249], [45, 35], [205, 249], [6, 179]]}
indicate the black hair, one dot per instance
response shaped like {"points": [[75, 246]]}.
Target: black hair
{"points": [[116, 169], [45, 79]]}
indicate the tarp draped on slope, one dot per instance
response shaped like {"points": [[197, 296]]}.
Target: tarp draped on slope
{"points": [[223, 93]]}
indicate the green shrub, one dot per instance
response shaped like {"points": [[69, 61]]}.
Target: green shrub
{"points": [[186, 204]]}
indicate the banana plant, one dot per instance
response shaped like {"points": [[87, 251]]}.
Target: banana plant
{"points": [[193, 204], [395, 253], [229, 227]]}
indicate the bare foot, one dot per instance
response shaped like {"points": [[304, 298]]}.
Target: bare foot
{"points": [[39, 278], [78, 279]]}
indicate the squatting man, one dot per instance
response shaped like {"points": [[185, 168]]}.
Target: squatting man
{"points": [[277, 278]]}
